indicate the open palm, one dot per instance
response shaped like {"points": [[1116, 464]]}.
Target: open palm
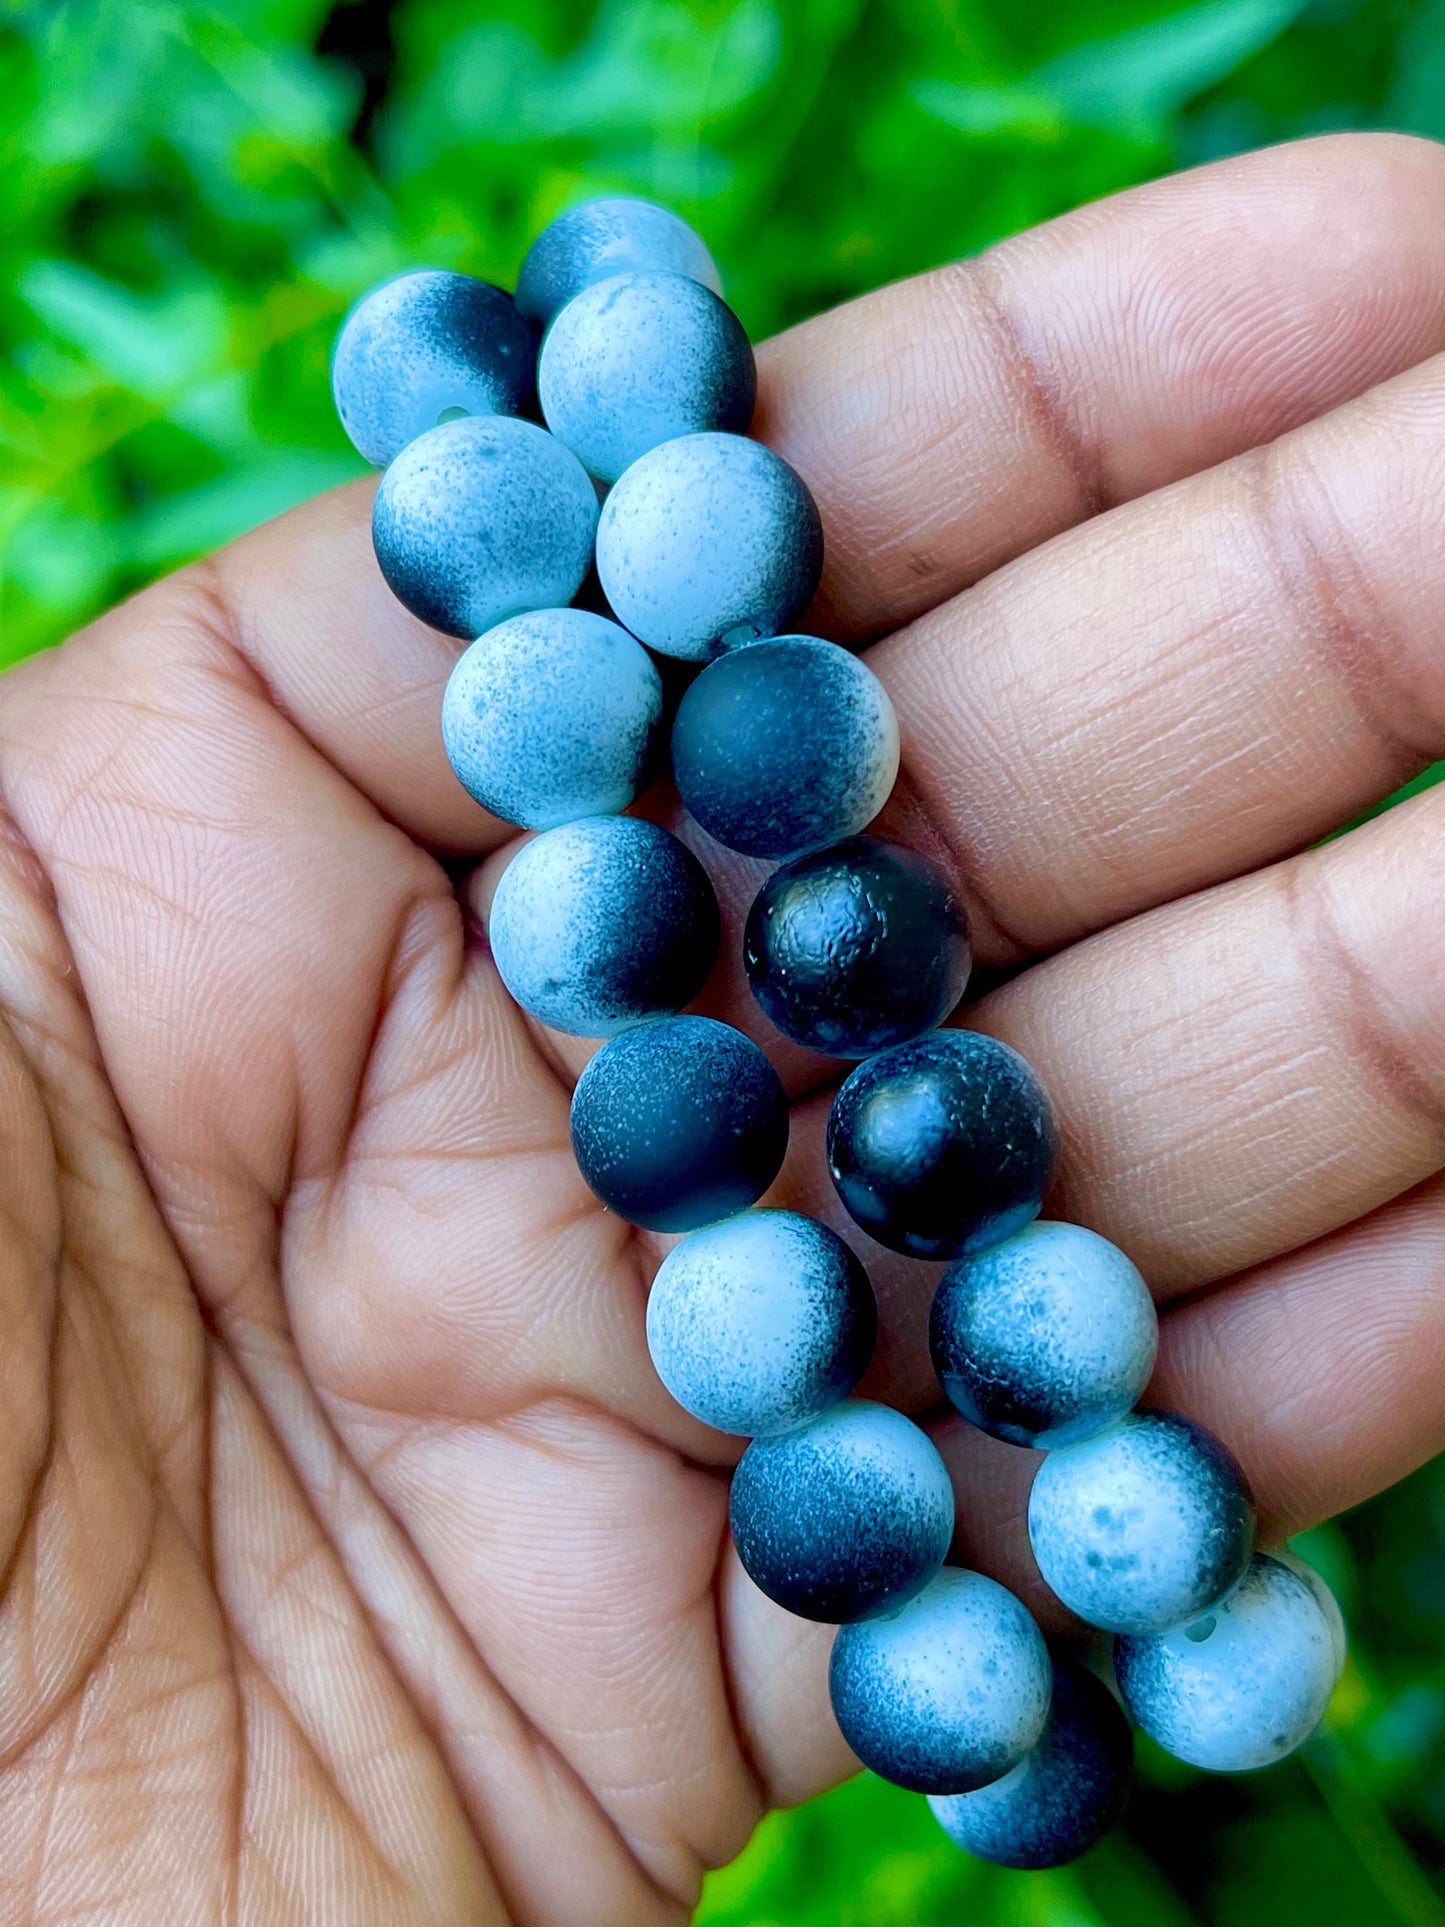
{"points": [[356, 1566]]}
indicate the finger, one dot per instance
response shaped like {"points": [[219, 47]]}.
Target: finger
{"points": [[952, 422], [1191, 686], [1324, 1371]]}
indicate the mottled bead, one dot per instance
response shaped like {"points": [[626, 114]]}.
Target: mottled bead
{"points": [[603, 238], [1144, 1526], [1046, 1338], [856, 948], [1247, 1682], [947, 1694], [481, 519], [423, 348], [942, 1145], [706, 543], [847, 1516], [785, 747], [679, 1123], [1060, 1798], [640, 359], [760, 1323], [603, 923], [552, 716]]}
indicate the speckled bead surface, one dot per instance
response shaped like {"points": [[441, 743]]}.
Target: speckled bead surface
{"points": [[942, 1145], [848, 1516], [855, 948], [603, 238], [1143, 1527], [784, 747], [603, 923], [481, 519], [1046, 1338], [1063, 1796], [640, 359], [1245, 1684], [707, 543], [760, 1323], [949, 1693], [423, 347], [552, 716], [679, 1123]]}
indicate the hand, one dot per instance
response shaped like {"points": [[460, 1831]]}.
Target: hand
{"points": [[356, 1567]]}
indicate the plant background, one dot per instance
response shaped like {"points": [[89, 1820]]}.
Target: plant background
{"points": [[191, 195]]}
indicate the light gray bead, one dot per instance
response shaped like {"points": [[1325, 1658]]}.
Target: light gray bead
{"points": [[552, 716], [602, 238], [1247, 1682]]}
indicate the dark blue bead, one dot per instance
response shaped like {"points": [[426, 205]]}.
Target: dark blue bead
{"points": [[1046, 1338], [483, 519], [706, 543], [1065, 1795], [847, 1516], [602, 924], [785, 746], [946, 1694], [640, 359], [603, 238], [426, 347], [679, 1123], [856, 948], [942, 1145]]}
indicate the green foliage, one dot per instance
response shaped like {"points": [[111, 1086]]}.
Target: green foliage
{"points": [[190, 197]]}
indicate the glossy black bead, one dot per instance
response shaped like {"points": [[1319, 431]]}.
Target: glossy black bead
{"points": [[679, 1123], [856, 948], [942, 1145]]}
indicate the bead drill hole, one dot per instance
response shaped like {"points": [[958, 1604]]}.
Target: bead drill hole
{"points": [[1201, 1629]]}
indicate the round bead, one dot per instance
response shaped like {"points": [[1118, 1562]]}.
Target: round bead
{"points": [[760, 1323], [706, 543], [949, 1693], [640, 359], [1046, 1338], [603, 238], [423, 348], [1245, 1684], [1066, 1794], [553, 716], [942, 1145], [856, 948], [603, 923], [679, 1123], [848, 1516], [1143, 1527], [481, 519], [785, 747]]}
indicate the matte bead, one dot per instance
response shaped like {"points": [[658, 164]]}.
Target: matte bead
{"points": [[760, 1323], [1143, 1527], [553, 716], [423, 348], [847, 1516], [640, 359], [856, 948], [947, 1694], [943, 1145], [1064, 1795], [1246, 1683], [706, 543], [784, 747], [603, 238], [603, 923], [679, 1123], [1046, 1338]]}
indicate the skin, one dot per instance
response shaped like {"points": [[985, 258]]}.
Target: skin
{"points": [[356, 1568]]}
